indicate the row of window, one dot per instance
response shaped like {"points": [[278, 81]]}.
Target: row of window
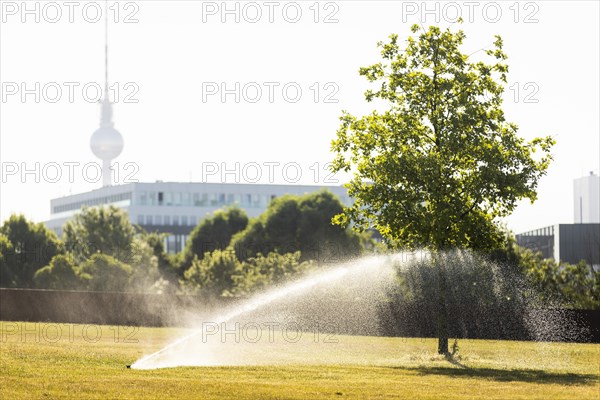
{"points": [[92, 202], [203, 199], [174, 220], [175, 243], [547, 231]]}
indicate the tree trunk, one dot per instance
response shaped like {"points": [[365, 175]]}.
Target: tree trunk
{"points": [[442, 312]]}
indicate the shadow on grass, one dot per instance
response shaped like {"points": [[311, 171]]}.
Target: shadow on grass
{"points": [[454, 361], [507, 375]]}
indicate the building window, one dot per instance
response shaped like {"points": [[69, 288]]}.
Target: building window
{"points": [[160, 198], [193, 220], [140, 219], [185, 198], [175, 219], [158, 220], [143, 198], [152, 198], [171, 244], [167, 220], [196, 200], [168, 198], [149, 220], [184, 220]]}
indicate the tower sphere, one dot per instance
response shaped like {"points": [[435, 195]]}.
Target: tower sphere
{"points": [[106, 143]]}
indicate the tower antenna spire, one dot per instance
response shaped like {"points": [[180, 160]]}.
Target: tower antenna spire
{"points": [[106, 142], [106, 48]]}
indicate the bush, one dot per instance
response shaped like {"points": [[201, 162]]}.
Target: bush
{"points": [[483, 299], [262, 271], [104, 273], [213, 274], [60, 274]]}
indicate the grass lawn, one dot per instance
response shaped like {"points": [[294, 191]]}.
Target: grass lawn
{"points": [[75, 361]]}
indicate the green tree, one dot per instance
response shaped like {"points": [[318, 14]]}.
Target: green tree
{"points": [[299, 223], [104, 273], [441, 165], [570, 285], [261, 271], [105, 230], [166, 263], [60, 274], [6, 250], [145, 272], [214, 233], [31, 247], [213, 274]]}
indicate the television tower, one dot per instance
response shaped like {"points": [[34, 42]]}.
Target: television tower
{"points": [[106, 142]]}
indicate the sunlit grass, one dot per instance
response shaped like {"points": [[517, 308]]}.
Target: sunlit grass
{"points": [[56, 361]]}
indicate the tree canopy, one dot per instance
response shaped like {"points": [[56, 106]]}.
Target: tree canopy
{"points": [[440, 165], [213, 274], [299, 223], [105, 230], [104, 273], [25, 247], [61, 273], [214, 233]]}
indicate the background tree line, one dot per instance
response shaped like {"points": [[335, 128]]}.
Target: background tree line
{"points": [[226, 253], [229, 254]]}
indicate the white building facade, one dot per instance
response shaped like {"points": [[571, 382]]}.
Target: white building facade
{"points": [[586, 199]]}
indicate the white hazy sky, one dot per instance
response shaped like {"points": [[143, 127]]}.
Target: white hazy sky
{"points": [[175, 48]]}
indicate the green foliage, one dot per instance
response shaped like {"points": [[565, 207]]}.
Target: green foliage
{"points": [[213, 274], [299, 223], [261, 271], [112, 257], [104, 273], [156, 242], [440, 165], [220, 273], [563, 284], [482, 297], [26, 247], [144, 267], [214, 233], [105, 230], [167, 264], [6, 249], [508, 253], [573, 286], [60, 274]]}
